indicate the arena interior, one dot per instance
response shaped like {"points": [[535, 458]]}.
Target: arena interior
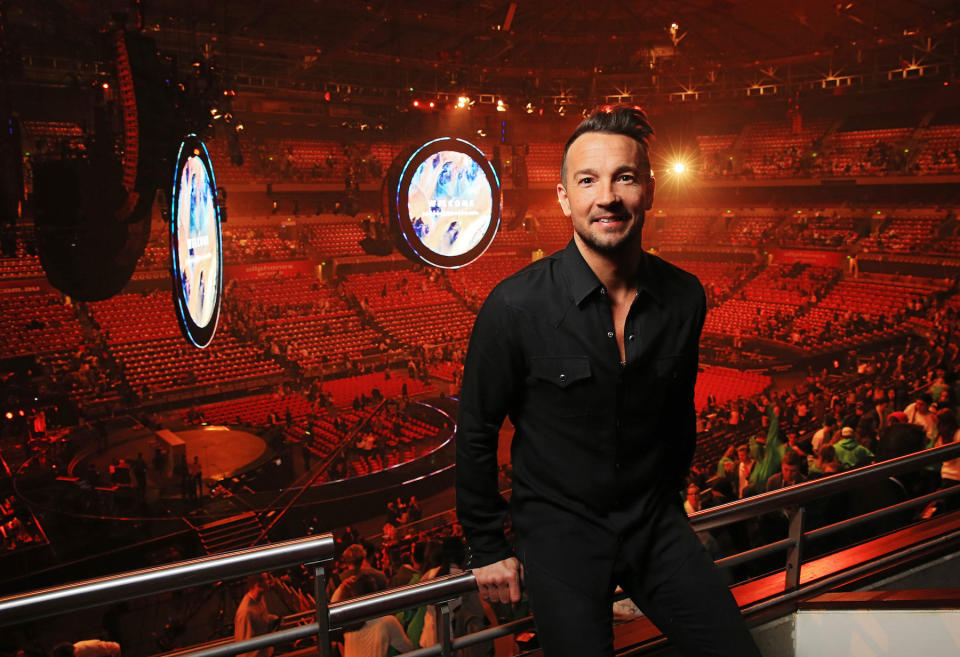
{"points": [[807, 158]]}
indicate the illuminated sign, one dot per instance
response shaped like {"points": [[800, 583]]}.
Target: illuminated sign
{"points": [[448, 203], [195, 243]]}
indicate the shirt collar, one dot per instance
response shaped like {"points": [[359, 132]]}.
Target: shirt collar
{"points": [[583, 282]]}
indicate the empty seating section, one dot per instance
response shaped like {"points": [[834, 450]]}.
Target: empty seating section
{"points": [[253, 410], [21, 266], [475, 282], [553, 231], [412, 307], [718, 277], [725, 384], [344, 390], [682, 230], [396, 438], [543, 162], [774, 149], [37, 324], [307, 320], [850, 298], [905, 234], [259, 245], [334, 239], [940, 153], [863, 152], [747, 231], [166, 365], [817, 231], [323, 159], [143, 337], [135, 317], [767, 304], [716, 154], [23, 262]]}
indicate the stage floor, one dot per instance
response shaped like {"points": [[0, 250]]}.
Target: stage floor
{"points": [[222, 451]]}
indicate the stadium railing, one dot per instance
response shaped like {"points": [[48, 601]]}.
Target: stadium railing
{"points": [[445, 590]]}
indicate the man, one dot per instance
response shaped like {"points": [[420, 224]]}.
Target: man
{"points": [[592, 352], [850, 452], [354, 562], [791, 472], [252, 617]]}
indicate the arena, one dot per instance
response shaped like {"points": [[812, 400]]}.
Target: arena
{"points": [[243, 247]]}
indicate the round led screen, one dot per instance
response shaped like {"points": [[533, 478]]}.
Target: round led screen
{"points": [[448, 203], [195, 243]]}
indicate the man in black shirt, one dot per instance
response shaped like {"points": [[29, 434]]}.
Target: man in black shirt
{"points": [[592, 353]]}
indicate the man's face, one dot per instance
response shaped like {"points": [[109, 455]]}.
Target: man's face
{"points": [[743, 453], [921, 406], [790, 473], [606, 191]]}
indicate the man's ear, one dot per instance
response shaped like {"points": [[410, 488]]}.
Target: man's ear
{"points": [[563, 199], [648, 192]]}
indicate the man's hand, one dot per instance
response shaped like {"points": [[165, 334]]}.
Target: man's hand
{"points": [[500, 581]]}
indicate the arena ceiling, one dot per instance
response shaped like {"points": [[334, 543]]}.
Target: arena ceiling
{"points": [[531, 47]]}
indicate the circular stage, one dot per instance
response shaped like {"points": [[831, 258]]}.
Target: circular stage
{"points": [[220, 451]]}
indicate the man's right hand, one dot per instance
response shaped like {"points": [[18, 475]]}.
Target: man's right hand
{"points": [[500, 581]]}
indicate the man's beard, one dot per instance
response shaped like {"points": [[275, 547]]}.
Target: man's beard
{"points": [[624, 242]]}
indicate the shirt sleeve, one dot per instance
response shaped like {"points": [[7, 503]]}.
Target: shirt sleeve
{"points": [[398, 638], [688, 413], [491, 375]]}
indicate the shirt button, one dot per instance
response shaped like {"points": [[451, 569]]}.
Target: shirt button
{"points": [[630, 338], [603, 291], [563, 377], [609, 334]]}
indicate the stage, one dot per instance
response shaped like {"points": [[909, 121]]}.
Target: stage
{"points": [[221, 451]]}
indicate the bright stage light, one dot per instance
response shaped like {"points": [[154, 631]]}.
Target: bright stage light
{"points": [[679, 167]]}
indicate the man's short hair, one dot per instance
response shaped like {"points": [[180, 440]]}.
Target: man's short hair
{"points": [[793, 459], [353, 556], [629, 121]]}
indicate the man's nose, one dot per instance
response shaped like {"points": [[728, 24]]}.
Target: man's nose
{"points": [[607, 194]]}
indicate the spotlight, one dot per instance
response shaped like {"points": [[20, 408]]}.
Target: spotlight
{"points": [[679, 168], [463, 101], [9, 415], [501, 106]]}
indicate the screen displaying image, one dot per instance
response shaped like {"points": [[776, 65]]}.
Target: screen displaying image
{"points": [[195, 243], [198, 242], [447, 204], [449, 201]]}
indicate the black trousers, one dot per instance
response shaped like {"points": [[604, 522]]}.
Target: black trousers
{"points": [[678, 588]]}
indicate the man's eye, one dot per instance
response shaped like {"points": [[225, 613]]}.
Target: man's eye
{"points": [[627, 177], [586, 180]]}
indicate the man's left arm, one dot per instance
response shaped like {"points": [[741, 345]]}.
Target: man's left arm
{"points": [[687, 425]]}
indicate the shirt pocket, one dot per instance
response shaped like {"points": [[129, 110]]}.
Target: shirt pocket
{"points": [[667, 369], [564, 385]]}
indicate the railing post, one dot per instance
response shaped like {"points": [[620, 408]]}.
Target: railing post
{"points": [[323, 612], [446, 641], [795, 551]]}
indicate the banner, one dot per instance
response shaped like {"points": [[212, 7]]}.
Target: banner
{"points": [[809, 256], [281, 269]]}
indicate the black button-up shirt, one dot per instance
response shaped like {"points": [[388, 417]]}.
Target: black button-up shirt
{"points": [[597, 440]]}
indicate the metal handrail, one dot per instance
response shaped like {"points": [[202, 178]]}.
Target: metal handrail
{"points": [[445, 589], [801, 493], [172, 577]]}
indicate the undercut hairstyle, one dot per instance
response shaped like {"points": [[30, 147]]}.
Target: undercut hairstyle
{"points": [[627, 120]]}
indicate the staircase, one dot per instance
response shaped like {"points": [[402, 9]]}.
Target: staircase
{"points": [[233, 533]]}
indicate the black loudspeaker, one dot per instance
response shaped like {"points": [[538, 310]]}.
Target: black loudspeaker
{"points": [[86, 252]]}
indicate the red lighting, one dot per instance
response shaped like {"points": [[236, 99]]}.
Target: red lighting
{"points": [[21, 412], [9, 415], [106, 85], [432, 104], [416, 103]]}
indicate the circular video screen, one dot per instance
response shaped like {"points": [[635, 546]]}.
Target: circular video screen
{"points": [[448, 203], [195, 243]]}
